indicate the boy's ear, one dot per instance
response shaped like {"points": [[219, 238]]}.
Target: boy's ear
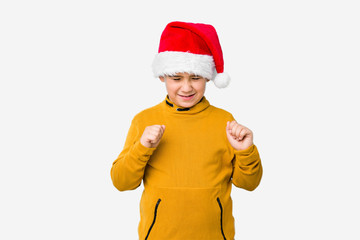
{"points": [[162, 79]]}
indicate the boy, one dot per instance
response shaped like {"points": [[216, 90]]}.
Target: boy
{"points": [[187, 152]]}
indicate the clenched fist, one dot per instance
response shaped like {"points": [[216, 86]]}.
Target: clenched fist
{"points": [[239, 136], [152, 135]]}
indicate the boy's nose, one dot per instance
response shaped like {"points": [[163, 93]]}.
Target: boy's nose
{"points": [[186, 86]]}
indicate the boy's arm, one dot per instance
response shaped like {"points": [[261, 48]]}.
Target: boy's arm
{"points": [[247, 168], [128, 169]]}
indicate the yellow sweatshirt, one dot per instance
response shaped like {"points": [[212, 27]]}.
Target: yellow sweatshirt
{"points": [[188, 176]]}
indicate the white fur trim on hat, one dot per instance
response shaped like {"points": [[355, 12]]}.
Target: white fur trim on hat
{"points": [[170, 63]]}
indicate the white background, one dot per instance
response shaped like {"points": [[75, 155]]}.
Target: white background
{"points": [[74, 73]]}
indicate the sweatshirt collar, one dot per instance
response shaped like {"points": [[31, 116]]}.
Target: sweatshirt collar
{"points": [[172, 107]]}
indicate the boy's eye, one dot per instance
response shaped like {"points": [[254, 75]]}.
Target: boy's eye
{"points": [[195, 78], [176, 79]]}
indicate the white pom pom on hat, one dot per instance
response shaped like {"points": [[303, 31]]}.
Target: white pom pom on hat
{"points": [[192, 48], [222, 80]]}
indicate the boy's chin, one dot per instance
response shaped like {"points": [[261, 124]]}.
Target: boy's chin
{"points": [[187, 105]]}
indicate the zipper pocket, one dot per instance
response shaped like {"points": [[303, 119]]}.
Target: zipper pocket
{"points": [[155, 212], [221, 218]]}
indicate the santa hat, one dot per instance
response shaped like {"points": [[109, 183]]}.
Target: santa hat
{"points": [[192, 48]]}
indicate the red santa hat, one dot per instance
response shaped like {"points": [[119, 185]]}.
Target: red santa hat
{"points": [[191, 48]]}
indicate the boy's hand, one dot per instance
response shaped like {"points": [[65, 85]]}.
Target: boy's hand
{"points": [[152, 135], [240, 137]]}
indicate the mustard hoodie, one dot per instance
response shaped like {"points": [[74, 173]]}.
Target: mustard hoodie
{"points": [[188, 176]]}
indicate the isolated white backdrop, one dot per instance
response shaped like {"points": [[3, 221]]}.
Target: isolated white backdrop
{"points": [[74, 73]]}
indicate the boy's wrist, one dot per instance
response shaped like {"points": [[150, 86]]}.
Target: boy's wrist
{"points": [[245, 151], [142, 151], [145, 144]]}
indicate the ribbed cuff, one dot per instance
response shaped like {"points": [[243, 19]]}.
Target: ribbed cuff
{"points": [[245, 152], [247, 156], [143, 152]]}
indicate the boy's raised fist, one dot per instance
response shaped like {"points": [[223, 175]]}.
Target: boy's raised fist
{"points": [[239, 136], [152, 135]]}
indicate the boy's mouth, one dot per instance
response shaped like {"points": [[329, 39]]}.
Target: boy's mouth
{"points": [[187, 97]]}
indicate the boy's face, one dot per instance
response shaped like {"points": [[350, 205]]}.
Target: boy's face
{"points": [[184, 89]]}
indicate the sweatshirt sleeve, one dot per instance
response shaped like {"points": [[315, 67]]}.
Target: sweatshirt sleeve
{"points": [[247, 168], [128, 169]]}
